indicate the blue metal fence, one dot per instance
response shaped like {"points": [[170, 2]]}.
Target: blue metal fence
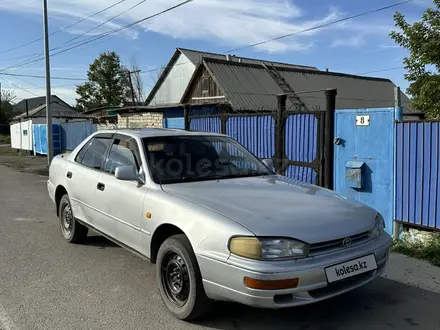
{"points": [[206, 124], [417, 189], [178, 123], [73, 133], [301, 144], [256, 133], [40, 138]]}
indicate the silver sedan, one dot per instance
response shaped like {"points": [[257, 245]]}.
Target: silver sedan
{"points": [[218, 223]]}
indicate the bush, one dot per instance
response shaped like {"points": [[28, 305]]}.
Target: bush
{"points": [[5, 139], [427, 250]]}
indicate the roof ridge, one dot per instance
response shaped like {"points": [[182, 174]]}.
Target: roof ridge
{"points": [[247, 58]]}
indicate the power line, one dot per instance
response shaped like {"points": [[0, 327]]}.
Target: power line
{"points": [[16, 86], [61, 29], [383, 70], [102, 35], [39, 77], [99, 25], [321, 26]]}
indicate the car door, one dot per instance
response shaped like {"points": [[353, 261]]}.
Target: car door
{"points": [[121, 202], [83, 174]]}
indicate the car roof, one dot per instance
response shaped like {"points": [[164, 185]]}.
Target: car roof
{"points": [[158, 132]]}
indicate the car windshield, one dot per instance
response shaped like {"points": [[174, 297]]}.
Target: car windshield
{"points": [[175, 159]]}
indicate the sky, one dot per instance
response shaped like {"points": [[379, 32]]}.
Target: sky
{"points": [[357, 46]]}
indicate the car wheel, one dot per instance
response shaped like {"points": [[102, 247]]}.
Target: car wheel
{"points": [[72, 230], [179, 280]]}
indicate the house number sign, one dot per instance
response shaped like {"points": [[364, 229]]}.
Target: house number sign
{"points": [[362, 120]]}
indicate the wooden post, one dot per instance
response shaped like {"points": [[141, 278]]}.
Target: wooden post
{"points": [[186, 116], [329, 136], [279, 134]]}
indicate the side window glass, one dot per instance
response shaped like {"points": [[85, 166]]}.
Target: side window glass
{"points": [[124, 152], [79, 157], [94, 155]]}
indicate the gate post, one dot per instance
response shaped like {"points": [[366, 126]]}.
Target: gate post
{"points": [[279, 134], [329, 136], [186, 116]]}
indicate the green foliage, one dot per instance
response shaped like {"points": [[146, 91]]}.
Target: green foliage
{"points": [[6, 106], [422, 40], [107, 83], [5, 139], [429, 250]]}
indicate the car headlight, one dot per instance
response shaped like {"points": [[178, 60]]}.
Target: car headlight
{"points": [[259, 248], [379, 227]]}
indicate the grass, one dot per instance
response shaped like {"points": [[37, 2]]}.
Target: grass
{"points": [[5, 151], [5, 139], [428, 250]]}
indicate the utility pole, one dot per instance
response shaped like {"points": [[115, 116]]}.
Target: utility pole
{"points": [[48, 91]]}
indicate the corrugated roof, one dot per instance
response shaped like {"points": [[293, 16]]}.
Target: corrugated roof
{"points": [[251, 87], [196, 56], [58, 111], [34, 102], [354, 92], [247, 87]]}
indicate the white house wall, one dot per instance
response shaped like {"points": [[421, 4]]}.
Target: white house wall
{"points": [[21, 135], [175, 84]]}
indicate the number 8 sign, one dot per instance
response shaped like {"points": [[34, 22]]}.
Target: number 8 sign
{"points": [[362, 120]]}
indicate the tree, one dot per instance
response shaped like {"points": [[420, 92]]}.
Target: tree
{"points": [[107, 83], [422, 40], [138, 85], [7, 99]]}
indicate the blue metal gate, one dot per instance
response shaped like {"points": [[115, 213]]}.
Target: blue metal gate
{"points": [[40, 138], [364, 158]]}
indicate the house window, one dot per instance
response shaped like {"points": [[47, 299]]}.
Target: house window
{"points": [[25, 132], [205, 85]]}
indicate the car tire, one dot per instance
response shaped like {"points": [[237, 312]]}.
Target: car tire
{"points": [[179, 280], [72, 230]]}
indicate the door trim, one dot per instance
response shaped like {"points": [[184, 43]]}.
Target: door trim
{"points": [[112, 217]]}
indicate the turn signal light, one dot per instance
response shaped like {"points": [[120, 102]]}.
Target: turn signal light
{"points": [[252, 283]]}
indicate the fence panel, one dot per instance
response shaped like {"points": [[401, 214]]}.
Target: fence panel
{"points": [[417, 179], [256, 133], [205, 124], [178, 123], [73, 133], [301, 147], [40, 138]]}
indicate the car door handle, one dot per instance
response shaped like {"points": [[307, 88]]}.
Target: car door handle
{"points": [[100, 186], [69, 175]]}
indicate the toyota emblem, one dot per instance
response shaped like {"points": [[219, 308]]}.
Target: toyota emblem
{"points": [[346, 242]]}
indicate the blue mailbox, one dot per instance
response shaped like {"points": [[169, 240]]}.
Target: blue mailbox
{"points": [[353, 174]]}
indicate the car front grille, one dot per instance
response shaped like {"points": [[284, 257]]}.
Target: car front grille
{"points": [[337, 244]]}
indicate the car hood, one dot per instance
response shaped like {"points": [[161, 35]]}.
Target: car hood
{"points": [[278, 206]]}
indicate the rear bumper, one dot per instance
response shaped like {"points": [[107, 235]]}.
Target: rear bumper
{"points": [[223, 281]]}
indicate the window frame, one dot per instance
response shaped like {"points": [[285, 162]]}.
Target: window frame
{"points": [[119, 136], [205, 91], [105, 136]]}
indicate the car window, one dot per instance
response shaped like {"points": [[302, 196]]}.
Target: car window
{"points": [[123, 152], [93, 154], [174, 159]]}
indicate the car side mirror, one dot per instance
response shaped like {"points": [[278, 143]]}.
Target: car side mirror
{"points": [[268, 163], [129, 173]]}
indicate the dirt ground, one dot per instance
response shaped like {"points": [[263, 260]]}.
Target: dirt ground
{"points": [[23, 163]]}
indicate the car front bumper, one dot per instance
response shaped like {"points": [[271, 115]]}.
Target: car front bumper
{"points": [[225, 281]]}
